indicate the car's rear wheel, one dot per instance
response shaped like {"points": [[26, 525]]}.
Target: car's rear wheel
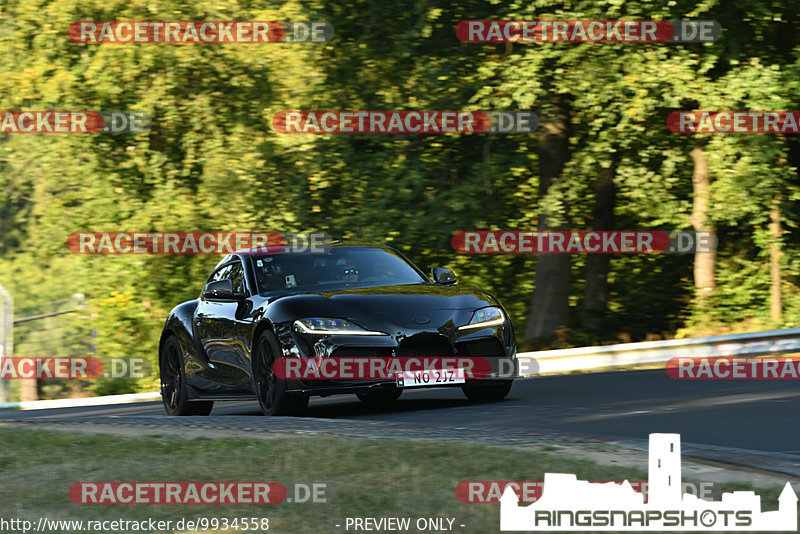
{"points": [[488, 393], [271, 390], [380, 397], [173, 382]]}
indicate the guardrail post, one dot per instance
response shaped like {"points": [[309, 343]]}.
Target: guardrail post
{"points": [[6, 336]]}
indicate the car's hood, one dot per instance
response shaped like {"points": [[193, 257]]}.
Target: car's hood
{"points": [[403, 302]]}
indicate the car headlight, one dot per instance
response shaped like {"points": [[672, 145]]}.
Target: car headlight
{"points": [[485, 317], [330, 325]]}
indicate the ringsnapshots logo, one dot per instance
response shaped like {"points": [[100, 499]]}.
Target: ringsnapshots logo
{"points": [[530, 491], [183, 243], [588, 31], [569, 504], [582, 242], [74, 122], [405, 122], [199, 32], [734, 122]]}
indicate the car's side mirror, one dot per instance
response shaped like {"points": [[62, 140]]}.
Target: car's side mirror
{"points": [[443, 276], [221, 290]]}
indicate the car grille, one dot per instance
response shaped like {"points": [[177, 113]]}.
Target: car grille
{"points": [[419, 345], [358, 352], [422, 345]]}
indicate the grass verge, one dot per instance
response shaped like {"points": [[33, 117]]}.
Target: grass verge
{"points": [[363, 478]]}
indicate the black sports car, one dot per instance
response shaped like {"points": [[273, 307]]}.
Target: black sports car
{"points": [[280, 326]]}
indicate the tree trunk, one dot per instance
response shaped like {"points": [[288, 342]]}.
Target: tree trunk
{"points": [[704, 262], [595, 295], [549, 307], [776, 307], [29, 389]]}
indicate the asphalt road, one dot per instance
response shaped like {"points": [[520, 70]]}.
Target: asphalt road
{"points": [[743, 416]]}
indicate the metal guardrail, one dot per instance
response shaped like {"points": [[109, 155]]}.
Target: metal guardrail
{"points": [[568, 360], [106, 400], [6, 334], [42, 316], [628, 354]]}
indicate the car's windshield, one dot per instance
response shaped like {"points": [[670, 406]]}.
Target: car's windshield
{"points": [[336, 268]]}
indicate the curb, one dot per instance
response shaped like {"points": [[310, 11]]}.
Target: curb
{"points": [[76, 403]]}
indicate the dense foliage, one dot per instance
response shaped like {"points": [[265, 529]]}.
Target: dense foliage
{"points": [[212, 161]]}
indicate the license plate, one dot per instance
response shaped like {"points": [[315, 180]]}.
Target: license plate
{"points": [[430, 377]]}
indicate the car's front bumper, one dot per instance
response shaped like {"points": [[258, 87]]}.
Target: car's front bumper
{"points": [[492, 347]]}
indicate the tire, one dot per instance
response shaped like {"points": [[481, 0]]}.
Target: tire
{"points": [[380, 397], [495, 392], [173, 382], [273, 398]]}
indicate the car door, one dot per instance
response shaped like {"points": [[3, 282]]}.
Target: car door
{"points": [[222, 326]]}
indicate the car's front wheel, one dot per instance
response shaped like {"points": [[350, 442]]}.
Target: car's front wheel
{"points": [[173, 382], [273, 398], [488, 393]]}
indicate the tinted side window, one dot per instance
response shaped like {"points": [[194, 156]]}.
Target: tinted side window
{"points": [[237, 277], [235, 273], [220, 274]]}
